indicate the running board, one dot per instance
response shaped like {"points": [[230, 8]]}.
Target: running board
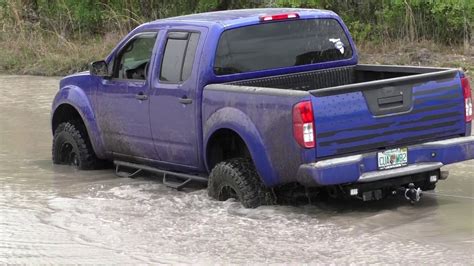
{"points": [[185, 178], [126, 174]]}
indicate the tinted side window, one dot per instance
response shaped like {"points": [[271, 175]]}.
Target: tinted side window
{"points": [[173, 60], [190, 54], [178, 58], [134, 58]]}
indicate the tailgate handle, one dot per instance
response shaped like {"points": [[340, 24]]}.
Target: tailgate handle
{"points": [[388, 102]]}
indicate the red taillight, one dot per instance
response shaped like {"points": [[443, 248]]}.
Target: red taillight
{"points": [[279, 17], [467, 98], [303, 124]]}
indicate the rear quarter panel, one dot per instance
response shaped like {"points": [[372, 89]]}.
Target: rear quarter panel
{"points": [[263, 119]]}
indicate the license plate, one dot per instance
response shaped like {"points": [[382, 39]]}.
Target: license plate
{"points": [[392, 158]]}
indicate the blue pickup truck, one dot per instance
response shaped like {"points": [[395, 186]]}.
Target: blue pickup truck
{"points": [[261, 100]]}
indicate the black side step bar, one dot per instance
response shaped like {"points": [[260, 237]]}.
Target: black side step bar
{"points": [[186, 178], [126, 174]]}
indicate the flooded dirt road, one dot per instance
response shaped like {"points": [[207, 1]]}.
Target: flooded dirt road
{"points": [[53, 214]]}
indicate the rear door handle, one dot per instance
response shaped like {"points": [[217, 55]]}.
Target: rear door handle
{"points": [[185, 100], [141, 96]]}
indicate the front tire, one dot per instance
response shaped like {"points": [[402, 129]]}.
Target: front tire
{"points": [[237, 178], [71, 146]]}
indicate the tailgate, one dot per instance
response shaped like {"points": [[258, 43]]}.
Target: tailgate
{"points": [[388, 113]]}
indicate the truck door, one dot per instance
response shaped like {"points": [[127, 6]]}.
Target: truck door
{"points": [[174, 107], [123, 104]]}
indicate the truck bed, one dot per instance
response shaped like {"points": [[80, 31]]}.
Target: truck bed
{"points": [[366, 108], [337, 77]]}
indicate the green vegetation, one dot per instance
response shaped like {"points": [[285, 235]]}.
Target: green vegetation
{"points": [[55, 37]]}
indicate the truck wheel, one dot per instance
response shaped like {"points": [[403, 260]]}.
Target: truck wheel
{"points": [[71, 146], [237, 178]]}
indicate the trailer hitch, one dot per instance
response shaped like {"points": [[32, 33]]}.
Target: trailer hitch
{"points": [[413, 194]]}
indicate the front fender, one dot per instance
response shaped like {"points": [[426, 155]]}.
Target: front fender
{"points": [[239, 122], [76, 97]]}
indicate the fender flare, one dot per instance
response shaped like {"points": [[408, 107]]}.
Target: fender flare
{"points": [[76, 98], [240, 123]]}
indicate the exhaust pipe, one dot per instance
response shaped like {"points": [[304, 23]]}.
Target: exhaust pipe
{"points": [[444, 175]]}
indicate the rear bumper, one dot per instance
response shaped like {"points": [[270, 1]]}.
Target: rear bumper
{"points": [[362, 168]]}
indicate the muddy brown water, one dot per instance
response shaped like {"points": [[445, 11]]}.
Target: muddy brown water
{"points": [[53, 214]]}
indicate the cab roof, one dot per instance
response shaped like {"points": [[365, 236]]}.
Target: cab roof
{"points": [[238, 17]]}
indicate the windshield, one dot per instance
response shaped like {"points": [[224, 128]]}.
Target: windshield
{"points": [[281, 44]]}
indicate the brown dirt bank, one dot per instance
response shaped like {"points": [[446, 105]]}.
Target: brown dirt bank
{"points": [[418, 54]]}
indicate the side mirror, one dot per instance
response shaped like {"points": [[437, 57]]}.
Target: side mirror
{"points": [[99, 68]]}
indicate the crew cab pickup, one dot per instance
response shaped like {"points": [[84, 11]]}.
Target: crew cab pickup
{"points": [[251, 101]]}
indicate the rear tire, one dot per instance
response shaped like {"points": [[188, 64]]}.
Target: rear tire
{"points": [[71, 146], [237, 178]]}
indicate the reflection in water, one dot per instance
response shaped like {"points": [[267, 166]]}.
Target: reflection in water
{"points": [[55, 214]]}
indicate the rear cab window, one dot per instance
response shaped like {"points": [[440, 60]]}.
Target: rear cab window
{"points": [[281, 44]]}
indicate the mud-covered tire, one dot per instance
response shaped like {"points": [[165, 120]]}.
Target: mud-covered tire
{"points": [[71, 145], [237, 178]]}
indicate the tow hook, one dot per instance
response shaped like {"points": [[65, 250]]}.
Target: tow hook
{"points": [[413, 194]]}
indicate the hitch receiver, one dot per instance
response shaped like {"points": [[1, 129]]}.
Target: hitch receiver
{"points": [[413, 194]]}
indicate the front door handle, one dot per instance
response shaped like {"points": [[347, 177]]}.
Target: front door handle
{"points": [[185, 100], [141, 96]]}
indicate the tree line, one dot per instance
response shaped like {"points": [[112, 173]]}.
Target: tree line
{"points": [[442, 21]]}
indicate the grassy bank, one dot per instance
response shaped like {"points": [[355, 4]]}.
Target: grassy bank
{"points": [[421, 53], [50, 54], [58, 37]]}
